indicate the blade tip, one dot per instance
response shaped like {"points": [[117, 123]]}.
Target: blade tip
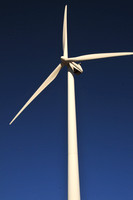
{"points": [[11, 122]]}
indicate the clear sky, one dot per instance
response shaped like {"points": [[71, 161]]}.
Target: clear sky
{"points": [[33, 150]]}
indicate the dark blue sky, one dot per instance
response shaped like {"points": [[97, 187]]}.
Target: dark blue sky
{"points": [[33, 151]]}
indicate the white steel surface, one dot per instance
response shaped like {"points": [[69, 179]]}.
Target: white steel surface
{"points": [[73, 169]]}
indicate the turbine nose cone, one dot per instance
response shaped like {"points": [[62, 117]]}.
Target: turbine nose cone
{"points": [[63, 61], [62, 58]]}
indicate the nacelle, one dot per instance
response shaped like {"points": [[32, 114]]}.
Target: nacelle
{"points": [[77, 69]]}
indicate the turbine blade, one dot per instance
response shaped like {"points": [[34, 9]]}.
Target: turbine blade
{"points": [[50, 78], [96, 56], [65, 47]]}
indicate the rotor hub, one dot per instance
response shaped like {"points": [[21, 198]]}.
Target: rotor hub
{"points": [[77, 69]]}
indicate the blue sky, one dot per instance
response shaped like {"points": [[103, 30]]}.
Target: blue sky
{"points": [[33, 151]]}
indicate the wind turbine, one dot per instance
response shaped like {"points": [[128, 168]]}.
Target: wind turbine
{"points": [[73, 68]]}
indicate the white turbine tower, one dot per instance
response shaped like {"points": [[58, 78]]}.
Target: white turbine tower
{"points": [[73, 68]]}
